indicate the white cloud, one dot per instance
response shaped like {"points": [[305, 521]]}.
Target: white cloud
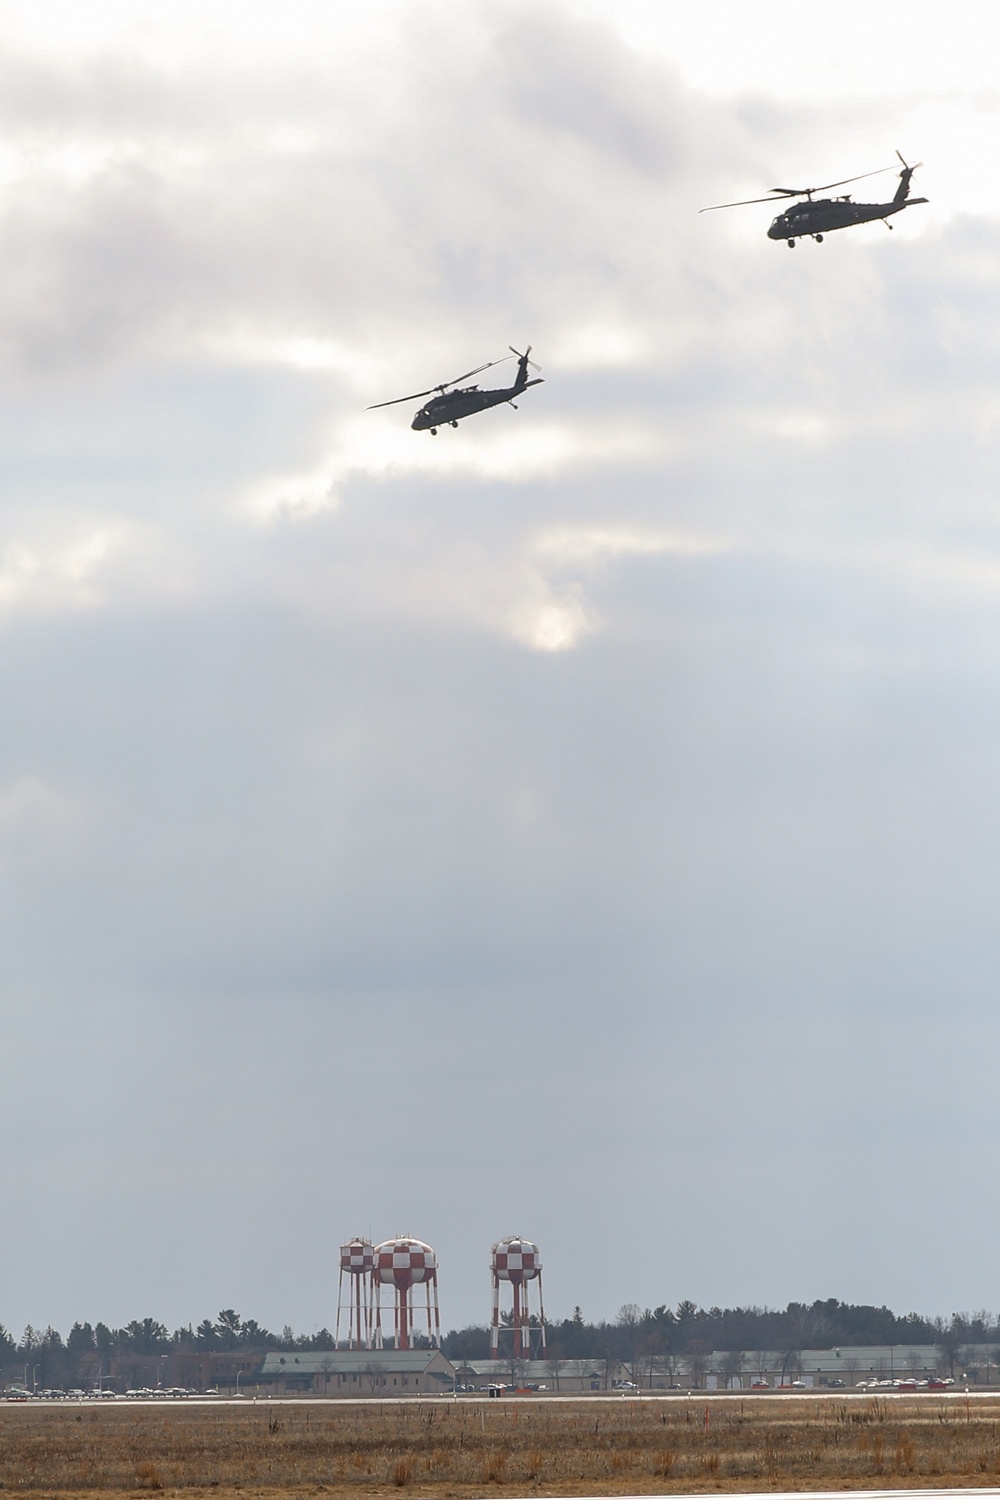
{"points": [[291, 497], [547, 618], [582, 545], [53, 563], [42, 571], [555, 615]]}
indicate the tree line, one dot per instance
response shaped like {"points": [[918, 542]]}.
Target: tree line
{"points": [[44, 1359], [686, 1334]]}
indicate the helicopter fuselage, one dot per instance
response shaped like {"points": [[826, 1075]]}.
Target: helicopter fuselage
{"points": [[823, 215], [452, 406]]}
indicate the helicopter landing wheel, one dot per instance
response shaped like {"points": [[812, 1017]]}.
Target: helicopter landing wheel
{"points": [[454, 424], [434, 432], [791, 244], [819, 239]]}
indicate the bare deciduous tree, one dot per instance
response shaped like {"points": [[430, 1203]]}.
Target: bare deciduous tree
{"points": [[731, 1366], [697, 1359]]}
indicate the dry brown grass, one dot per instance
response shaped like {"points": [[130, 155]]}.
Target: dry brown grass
{"points": [[443, 1449]]}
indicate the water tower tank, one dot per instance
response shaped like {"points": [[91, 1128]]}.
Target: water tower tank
{"points": [[515, 1259], [357, 1257], [404, 1263]]}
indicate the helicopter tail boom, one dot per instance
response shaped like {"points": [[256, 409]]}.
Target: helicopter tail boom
{"points": [[902, 193]]}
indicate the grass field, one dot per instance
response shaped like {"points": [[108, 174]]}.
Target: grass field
{"points": [[467, 1448]]}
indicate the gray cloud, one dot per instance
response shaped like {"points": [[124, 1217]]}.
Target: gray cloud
{"points": [[615, 776]]}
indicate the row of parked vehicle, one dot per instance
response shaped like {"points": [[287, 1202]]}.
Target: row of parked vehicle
{"points": [[935, 1383], [144, 1393], [898, 1383]]}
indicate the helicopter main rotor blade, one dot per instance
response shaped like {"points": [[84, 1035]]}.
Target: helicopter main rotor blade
{"points": [[742, 202], [477, 371], [399, 399], [783, 192], [439, 388], [845, 180]]}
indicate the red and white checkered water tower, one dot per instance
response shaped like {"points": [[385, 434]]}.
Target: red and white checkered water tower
{"points": [[405, 1264], [357, 1263], [519, 1262]]}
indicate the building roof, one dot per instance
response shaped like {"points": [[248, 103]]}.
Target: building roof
{"points": [[350, 1361]]}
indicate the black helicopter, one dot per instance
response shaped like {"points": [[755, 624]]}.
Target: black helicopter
{"points": [[821, 216], [452, 405]]}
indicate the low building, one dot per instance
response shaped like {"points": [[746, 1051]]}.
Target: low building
{"points": [[853, 1364], [565, 1375], [847, 1366], [353, 1372]]}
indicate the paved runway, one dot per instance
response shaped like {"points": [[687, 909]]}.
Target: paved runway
{"points": [[808, 1495]]}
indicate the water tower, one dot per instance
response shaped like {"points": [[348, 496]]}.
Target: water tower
{"points": [[357, 1263], [404, 1264], [518, 1261]]}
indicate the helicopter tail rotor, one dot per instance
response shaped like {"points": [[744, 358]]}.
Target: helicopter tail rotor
{"points": [[522, 367], [524, 356]]}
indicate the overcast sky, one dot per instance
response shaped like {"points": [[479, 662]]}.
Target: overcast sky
{"points": [[582, 824]]}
